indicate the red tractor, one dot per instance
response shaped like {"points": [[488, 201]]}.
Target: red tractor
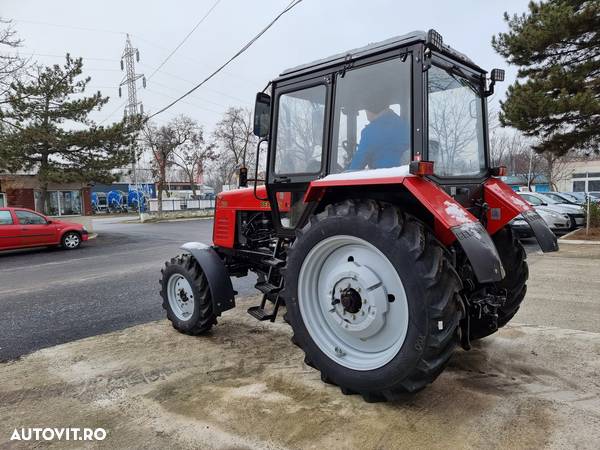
{"points": [[380, 226]]}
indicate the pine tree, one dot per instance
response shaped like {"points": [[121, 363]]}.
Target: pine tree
{"points": [[556, 97], [47, 130]]}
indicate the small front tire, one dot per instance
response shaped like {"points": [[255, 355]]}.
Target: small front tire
{"points": [[186, 296], [71, 240]]}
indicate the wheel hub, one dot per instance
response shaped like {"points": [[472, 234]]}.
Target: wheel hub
{"points": [[351, 300], [183, 295], [358, 301]]}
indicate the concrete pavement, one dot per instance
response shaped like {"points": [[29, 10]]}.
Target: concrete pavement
{"points": [[244, 385]]}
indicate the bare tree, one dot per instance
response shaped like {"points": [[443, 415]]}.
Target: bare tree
{"points": [[163, 142], [193, 156], [236, 144], [10, 65], [510, 148], [452, 129]]}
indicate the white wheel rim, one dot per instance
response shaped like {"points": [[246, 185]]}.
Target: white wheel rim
{"points": [[181, 296], [72, 240], [361, 340]]}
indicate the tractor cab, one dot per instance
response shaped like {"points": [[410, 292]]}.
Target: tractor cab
{"points": [[383, 106], [381, 226]]}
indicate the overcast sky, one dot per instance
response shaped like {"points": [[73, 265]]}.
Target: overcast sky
{"points": [[312, 30]]}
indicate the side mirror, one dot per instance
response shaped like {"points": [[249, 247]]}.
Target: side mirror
{"points": [[262, 114], [48, 221]]}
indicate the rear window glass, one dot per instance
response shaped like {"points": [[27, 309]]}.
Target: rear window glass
{"points": [[5, 218]]}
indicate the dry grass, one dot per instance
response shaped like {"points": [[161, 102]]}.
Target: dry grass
{"points": [[594, 234]]}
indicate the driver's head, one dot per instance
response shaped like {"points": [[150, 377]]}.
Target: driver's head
{"points": [[375, 103]]}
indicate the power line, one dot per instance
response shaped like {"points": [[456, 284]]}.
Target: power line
{"points": [[242, 50], [113, 113], [192, 82], [185, 38]]}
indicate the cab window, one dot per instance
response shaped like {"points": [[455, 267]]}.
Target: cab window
{"points": [[29, 218], [5, 218], [300, 124], [372, 117], [456, 124]]}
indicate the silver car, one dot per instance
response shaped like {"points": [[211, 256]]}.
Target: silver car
{"points": [[539, 200]]}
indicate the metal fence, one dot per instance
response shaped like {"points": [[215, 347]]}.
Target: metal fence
{"points": [[180, 204]]}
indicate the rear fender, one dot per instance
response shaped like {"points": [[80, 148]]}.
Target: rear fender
{"points": [[504, 205], [451, 221], [221, 289]]}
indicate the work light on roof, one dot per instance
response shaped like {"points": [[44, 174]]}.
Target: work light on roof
{"points": [[434, 39]]}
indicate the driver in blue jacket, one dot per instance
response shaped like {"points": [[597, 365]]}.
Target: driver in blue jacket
{"points": [[385, 140]]}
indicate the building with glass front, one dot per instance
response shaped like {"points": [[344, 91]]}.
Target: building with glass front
{"points": [[63, 199]]}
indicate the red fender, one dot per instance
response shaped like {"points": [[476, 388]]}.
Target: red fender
{"points": [[504, 205], [451, 220], [446, 211]]}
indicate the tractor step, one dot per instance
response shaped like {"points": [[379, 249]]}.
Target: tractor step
{"points": [[267, 288], [274, 262], [259, 313]]}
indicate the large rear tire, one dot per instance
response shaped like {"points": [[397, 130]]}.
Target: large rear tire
{"points": [[514, 259], [373, 299], [186, 296]]}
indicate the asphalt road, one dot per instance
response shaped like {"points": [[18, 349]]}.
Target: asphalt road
{"points": [[52, 296]]}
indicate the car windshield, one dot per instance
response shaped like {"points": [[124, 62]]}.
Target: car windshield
{"points": [[456, 121], [549, 200], [557, 198], [570, 197]]}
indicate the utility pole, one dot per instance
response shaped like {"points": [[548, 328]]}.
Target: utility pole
{"points": [[133, 108]]}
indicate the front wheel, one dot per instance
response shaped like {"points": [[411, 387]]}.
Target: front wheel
{"points": [[71, 240], [373, 299], [186, 296]]}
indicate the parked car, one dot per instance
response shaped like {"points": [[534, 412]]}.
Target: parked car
{"points": [[575, 212], [581, 197], [521, 228], [559, 223], [22, 228], [562, 198]]}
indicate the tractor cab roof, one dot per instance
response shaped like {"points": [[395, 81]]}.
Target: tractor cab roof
{"points": [[372, 49]]}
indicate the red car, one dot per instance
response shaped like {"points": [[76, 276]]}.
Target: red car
{"points": [[21, 228]]}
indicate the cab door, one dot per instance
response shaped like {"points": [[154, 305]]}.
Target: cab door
{"points": [[10, 231], [298, 143]]}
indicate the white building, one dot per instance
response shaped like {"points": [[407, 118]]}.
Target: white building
{"points": [[581, 176]]}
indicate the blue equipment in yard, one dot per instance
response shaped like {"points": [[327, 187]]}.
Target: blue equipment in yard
{"points": [[117, 201], [135, 198]]}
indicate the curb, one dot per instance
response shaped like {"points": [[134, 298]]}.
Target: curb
{"points": [[182, 219], [564, 240], [577, 241]]}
